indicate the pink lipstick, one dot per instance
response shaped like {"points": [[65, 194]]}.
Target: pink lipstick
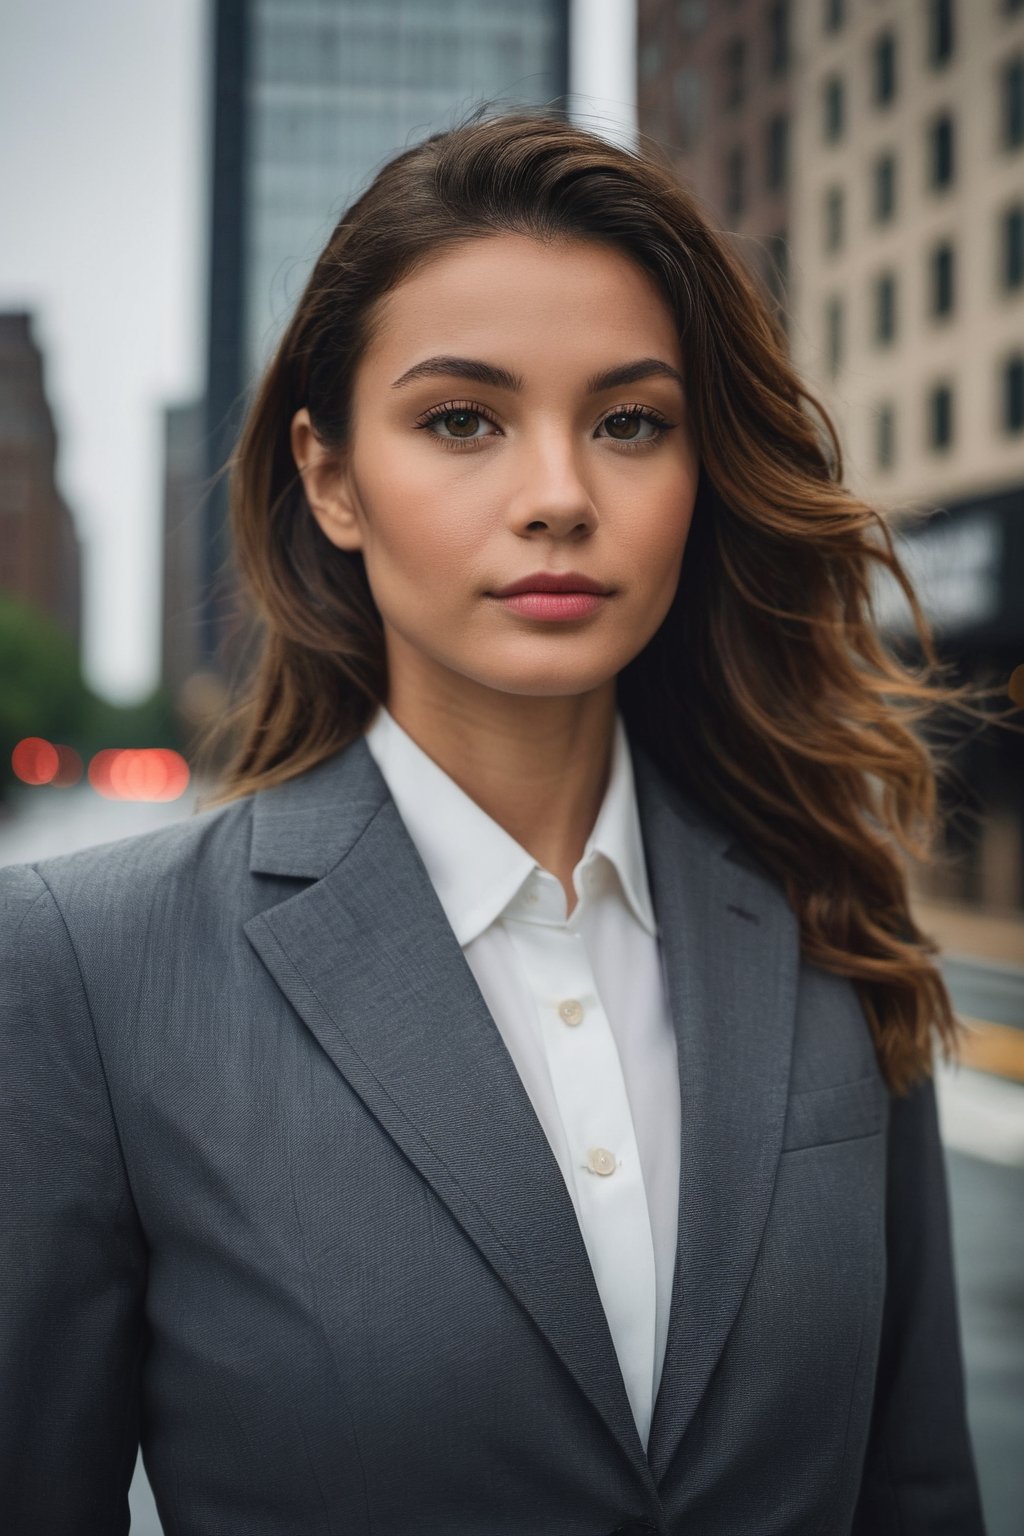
{"points": [[553, 595]]}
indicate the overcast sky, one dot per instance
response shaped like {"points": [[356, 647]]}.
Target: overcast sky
{"points": [[102, 211]]}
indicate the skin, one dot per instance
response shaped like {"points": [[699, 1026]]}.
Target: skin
{"points": [[517, 710]]}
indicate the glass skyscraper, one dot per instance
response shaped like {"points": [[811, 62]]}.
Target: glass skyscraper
{"points": [[337, 86], [310, 97]]}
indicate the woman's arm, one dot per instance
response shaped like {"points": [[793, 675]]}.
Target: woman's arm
{"points": [[919, 1477], [72, 1256]]}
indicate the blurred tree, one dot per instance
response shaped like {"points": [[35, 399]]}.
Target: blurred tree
{"points": [[42, 693], [41, 688], [152, 722]]}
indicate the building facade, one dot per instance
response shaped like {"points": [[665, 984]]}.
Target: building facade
{"points": [[40, 560], [715, 92], [180, 634], [907, 310], [907, 230], [887, 217]]}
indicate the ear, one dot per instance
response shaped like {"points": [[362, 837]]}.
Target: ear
{"points": [[326, 485]]}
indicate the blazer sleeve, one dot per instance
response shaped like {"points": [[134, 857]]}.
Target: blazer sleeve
{"points": [[72, 1255], [919, 1477]]}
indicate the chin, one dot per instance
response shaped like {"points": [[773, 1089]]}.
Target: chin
{"points": [[548, 682]]}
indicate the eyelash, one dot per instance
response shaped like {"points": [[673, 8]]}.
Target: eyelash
{"points": [[460, 444]]}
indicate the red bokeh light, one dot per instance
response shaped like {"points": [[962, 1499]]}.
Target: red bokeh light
{"points": [[139, 773], [35, 760]]}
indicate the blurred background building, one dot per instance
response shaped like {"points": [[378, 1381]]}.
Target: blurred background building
{"points": [[715, 91], [198, 692], [868, 158], [40, 563]]}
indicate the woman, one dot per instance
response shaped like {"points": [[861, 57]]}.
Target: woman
{"points": [[509, 1112]]}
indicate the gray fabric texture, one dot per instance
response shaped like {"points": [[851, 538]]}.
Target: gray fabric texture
{"points": [[275, 1202]]}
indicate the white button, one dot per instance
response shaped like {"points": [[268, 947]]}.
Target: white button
{"points": [[601, 1161], [570, 1012]]}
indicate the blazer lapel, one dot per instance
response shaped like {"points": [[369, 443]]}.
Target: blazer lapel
{"points": [[366, 957], [730, 946]]}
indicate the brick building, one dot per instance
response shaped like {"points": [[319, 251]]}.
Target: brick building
{"points": [[40, 561]]}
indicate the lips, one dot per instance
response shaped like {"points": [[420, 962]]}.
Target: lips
{"points": [[550, 581]]}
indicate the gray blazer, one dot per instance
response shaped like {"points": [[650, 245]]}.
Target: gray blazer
{"points": [[276, 1202]]}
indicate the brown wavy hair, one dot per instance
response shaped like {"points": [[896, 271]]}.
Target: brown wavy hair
{"points": [[768, 694]]}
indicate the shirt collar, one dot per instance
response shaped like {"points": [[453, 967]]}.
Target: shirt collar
{"points": [[475, 866], [617, 832]]}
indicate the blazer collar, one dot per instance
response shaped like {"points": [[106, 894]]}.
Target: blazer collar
{"points": [[305, 826], [368, 960]]}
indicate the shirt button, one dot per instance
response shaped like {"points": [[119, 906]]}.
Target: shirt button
{"points": [[570, 1012], [601, 1161]]}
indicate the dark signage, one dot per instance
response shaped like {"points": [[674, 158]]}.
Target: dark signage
{"points": [[967, 566]]}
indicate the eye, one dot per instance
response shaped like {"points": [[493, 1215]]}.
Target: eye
{"points": [[626, 423], [460, 420]]}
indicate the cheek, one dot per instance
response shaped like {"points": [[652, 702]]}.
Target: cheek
{"points": [[659, 537], [412, 528]]}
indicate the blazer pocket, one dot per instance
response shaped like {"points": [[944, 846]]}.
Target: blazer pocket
{"points": [[844, 1112]]}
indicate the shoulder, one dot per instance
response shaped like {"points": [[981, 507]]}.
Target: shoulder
{"points": [[131, 880]]}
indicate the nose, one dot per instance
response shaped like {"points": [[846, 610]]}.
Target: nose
{"points": [[552, 497]]}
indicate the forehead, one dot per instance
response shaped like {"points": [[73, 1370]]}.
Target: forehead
{"points": [[523, 298]]}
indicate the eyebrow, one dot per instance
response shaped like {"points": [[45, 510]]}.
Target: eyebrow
{"points": [[501, 378]]}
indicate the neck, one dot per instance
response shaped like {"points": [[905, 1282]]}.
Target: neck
{"points": [[538, 766]]}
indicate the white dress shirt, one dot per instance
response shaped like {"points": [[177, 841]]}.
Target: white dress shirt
{"points": [[580, 1004]]}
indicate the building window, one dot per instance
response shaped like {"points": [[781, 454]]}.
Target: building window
{"points": [[688, 101], [650, 60], [777, 153], [778, 38], [941, 152], [775, 269], [834, 208], [833, 107], [940, 32], [1012, 243], [734, 62], [883, 188], [942, 276], [940, 416], [735, 183], [691, 16], [885, 308], [834, 335], [885, 435], [835, 15], [883, 69], [1012, 96], [1013, 393]]}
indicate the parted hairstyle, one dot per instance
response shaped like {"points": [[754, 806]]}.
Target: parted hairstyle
{"points": [[768, 694]]}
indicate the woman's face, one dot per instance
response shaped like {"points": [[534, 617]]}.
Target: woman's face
{"points": [[488, 451]]}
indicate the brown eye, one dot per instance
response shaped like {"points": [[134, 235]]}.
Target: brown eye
{"points": [[623, 425], [461, 423]]}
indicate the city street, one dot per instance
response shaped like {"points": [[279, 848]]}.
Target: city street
{"points": [[254, 251], [983, 1129]]}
